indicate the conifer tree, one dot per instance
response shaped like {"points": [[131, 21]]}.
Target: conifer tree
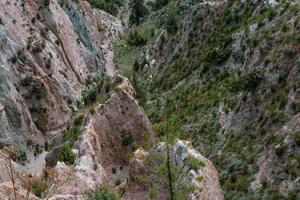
{"points": [[138, 11]]}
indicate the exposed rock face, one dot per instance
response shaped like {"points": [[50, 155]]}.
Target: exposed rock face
{"points": [[52, 157], [7, 192], [46, 54], [209, 184], [4, 176], [119, 123], [101, 146], [205, 179]]}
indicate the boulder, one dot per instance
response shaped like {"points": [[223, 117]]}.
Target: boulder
{"points": [[52, 157]]}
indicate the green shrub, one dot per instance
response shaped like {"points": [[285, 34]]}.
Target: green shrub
{"points": [[194, 163], [20, 156], [37, 150], [171, 24], [1, 22], [38, 90], [118, 182], [158, 4], [102, 193], [89, 96], [27, 81], [14, 59], [137, 11], [247, 82], [72, 135], [136, 39], [114, 170], [296, 137], [110, 6], [295, 107], [46, 2], [47, 146], [217, 56], [127, 140], [136, 65], [243, 182], [48, 63], [66, 155], [153, 192], [78, 120], [38, 187]]}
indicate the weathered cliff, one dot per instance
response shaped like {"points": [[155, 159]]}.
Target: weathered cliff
{"points": [[50, 50]]}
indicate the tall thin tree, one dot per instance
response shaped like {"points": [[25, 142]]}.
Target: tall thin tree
{"points": [[138, 11]]}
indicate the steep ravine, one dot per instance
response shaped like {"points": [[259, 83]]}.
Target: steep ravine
{"points": [[225, 75]]}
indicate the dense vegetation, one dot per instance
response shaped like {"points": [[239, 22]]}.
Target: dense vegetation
{"points": [[102, 193], [212, 78], [110, 6], [138, 11]]}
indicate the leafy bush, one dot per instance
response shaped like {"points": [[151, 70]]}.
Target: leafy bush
{"points": [[295, 107], [114, 170], [1, 22], [110, 6], [247, 82], [20, 156], [136, 65], [102, 193], [38, 90], [38, 187], [153, 192], [72, 135], [296, 137], [66, 155], [38, 47], [194, 163], [27, 81], [171, 24], [217, 56], [137, 11], [158, 4], [136, 39], [127, 140], [90, 96], [250, 81], [78, 120], [46, 2], [103, 85]]}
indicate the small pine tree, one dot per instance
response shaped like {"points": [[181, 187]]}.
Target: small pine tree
{"points": [[138, 11], [136, 65], [136, 39], [171, 23]]}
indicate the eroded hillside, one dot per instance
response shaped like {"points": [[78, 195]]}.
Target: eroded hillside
{"points": [[224, 75]]}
